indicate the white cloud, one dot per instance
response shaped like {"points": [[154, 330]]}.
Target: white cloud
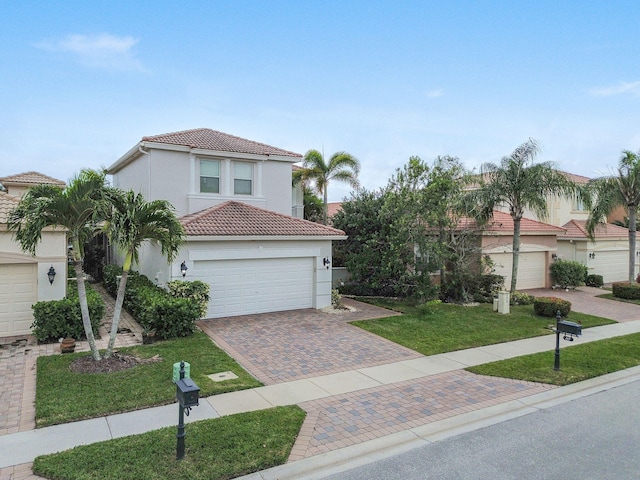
{"points": [[435, 93], [100, 51], [623, 87]]}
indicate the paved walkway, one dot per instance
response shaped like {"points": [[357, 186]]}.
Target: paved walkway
{"points": [[381, 394]]}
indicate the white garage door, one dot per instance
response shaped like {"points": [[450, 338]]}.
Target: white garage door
{"points": [[613, 265], [18, 291], [241, 287], [531, 269]]}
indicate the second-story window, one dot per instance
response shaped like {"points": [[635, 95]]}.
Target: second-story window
{"points": [[242, 178], [210, 176]]}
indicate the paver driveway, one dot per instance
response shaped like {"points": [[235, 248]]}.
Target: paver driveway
{"points": [[292, 345]]}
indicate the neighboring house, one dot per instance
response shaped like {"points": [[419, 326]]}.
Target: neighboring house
{"points": [[607, 256], [538, 246], [23, 278], [17, 185], [234, 198]]}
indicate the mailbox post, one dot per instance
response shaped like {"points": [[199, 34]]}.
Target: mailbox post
{"points": [[569, 329], [187, 394]]}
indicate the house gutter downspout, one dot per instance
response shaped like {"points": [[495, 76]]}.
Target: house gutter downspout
{"points": [[144, 152]]}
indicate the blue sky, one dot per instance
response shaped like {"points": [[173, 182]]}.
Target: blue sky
{"points": [[82, 82]]}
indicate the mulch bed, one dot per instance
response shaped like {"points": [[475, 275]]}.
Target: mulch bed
{"points": [[117, 362]]}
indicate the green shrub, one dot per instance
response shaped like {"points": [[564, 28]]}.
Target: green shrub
{"points": [[548, 306], [593, 280], [154, 308], [196, 291], [55, 319], [521, 298], [567, 273], [629, 291]]}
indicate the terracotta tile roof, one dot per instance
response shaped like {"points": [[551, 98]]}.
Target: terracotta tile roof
{"points": [[7, 203], [30, 178], [579, 179], [239, 219], [333, 208], [502, 222], [577, 229], [208, 139]]}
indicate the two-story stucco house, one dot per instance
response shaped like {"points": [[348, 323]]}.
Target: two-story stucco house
{"points": [[23, 277], [235, 199]]}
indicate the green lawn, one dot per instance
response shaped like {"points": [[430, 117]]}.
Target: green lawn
{"points": [[577, 363], [437, 328], [64, 396], [609, 296], [216, 449]]}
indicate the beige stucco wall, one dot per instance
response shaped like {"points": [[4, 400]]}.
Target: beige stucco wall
{"points": [[50, 252]]}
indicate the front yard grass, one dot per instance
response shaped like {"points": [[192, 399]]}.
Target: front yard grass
{"points": [[216, 449], [609, 296], [438, 328], [577, 363], [63, 395]]}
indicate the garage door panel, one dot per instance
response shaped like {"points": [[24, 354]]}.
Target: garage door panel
{"points": [[240, 287], [19, 292], [531, 269]]}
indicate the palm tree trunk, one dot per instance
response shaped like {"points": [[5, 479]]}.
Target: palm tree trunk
{"points": [[84, 309], [117, 311], [516, 253], [326, 206], [632, 242]]}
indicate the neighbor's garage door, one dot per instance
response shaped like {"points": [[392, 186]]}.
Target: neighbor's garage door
{"points": [[18, 291], [613, 265], [531, 269], [240, 287]]}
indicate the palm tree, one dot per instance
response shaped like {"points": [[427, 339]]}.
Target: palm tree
{"points": [[131, 222], [519, 184], [78, 208], [342, 167], [622, 189]]}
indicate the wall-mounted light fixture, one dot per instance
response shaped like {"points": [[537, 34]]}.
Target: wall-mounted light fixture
{"points": [[183, 269], [326, 262], [592, 255], [51, 274], [554, 256]]}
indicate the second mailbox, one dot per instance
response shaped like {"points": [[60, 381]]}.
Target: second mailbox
{"points": [[187, 392], [573, 328]]}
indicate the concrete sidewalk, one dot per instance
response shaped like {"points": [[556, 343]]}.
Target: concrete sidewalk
{"points": [[515, 398]]}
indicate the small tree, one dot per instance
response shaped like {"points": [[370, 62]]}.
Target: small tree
{"points": [[131, 222], [78, 209], [342, 167]]}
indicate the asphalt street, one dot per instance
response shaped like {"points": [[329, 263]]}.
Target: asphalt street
{"points": [[591, 438]]}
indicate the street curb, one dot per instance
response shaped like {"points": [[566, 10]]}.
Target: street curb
{"points": [[323, 465]]}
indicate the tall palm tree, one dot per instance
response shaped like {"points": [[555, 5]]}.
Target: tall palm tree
{"points": [[622, 189], [342, 167], [131, 222], [78, 208], [519, 184]]}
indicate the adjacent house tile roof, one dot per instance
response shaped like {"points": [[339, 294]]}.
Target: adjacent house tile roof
{"points": [[502, 222], [333, 208], [30, 178], [239, 219], [208, 139], [7, 203], [577, 229]]}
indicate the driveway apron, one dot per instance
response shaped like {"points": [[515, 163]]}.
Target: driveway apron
{"points": [[293, 345]]}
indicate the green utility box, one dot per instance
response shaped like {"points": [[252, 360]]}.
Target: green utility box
{"points": [[176, 371]]}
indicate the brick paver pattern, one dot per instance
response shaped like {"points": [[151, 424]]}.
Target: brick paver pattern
{"points": [[342, 420], [286, 346]]}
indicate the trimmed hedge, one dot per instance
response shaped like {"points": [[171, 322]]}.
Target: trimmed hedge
{"points": [[154, 308], [629, 291], [55, 319], [195, 291], [521, 298], [594, 280], [568, 273], [548, 306]]}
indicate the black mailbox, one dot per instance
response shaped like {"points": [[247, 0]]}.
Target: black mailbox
{"points": [[187, 392], [573, 328]]}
